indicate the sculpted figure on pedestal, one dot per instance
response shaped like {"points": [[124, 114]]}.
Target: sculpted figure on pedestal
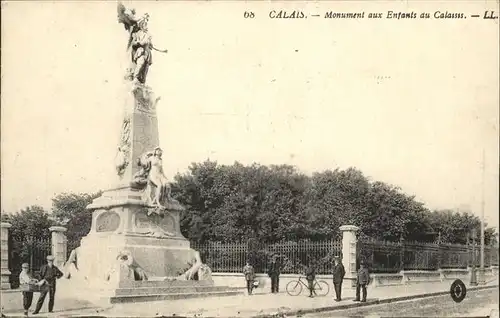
{"points": [[140, 43], [140, 179], [125, 268], [70, 268], [205, 272], [158, 179], [189, 274], [152, 179], [198, 269]]}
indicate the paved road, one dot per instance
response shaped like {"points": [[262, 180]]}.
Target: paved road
{"points": [[475, 304]]}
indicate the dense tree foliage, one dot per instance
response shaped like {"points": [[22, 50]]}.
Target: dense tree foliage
{"points": [[237, 202], [32, 221], [231, 203]]}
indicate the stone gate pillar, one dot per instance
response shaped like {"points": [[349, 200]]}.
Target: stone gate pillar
{"points": [[5, 273], [59, 245], [349, 252]]}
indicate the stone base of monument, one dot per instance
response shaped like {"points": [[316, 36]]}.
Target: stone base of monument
{"points": [[100, 281], [158, 258], [133, 254], [168, 290], [144, 291]]}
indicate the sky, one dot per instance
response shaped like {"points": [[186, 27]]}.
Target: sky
{"points": [[409, 102]]}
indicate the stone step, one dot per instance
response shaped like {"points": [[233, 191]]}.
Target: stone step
{"points": [[158, 297], [170, 290], [161, 283]]}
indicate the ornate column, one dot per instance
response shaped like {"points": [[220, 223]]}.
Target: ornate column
{"points": [[349, 252], [59, 244], [5, 256]]}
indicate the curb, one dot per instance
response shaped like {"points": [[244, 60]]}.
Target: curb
{"points": [[60, 312], [368, 303]]}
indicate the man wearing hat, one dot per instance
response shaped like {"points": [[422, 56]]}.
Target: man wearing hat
{"points": [[274, 273], [362, 280], [48, 275], [25, 279], [249, 274], [338, 277]]}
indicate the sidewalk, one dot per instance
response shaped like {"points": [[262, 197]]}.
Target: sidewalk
{"points": [[262, 303], [490, 310]]}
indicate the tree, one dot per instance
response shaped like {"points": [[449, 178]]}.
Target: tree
{"points": [[69, 209], [31, 221], [194, 191], [332, 199], [234, 203], [455, 227], [418, 226]]}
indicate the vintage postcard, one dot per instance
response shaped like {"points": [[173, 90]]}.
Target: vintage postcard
{"points": [[250, 158]]}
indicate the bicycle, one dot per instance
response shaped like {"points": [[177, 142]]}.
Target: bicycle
{"points": [[294, 288]]}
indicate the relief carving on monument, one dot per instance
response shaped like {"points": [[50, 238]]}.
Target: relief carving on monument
{"points": [[121, 160], [160, 226], [145, 101], [107, 222], [167, 223]]}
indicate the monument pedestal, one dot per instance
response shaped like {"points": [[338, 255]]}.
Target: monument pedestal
{"points": [[154, 241]]}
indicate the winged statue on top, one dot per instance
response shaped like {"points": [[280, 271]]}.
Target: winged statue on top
{"points": [[139, 43]]}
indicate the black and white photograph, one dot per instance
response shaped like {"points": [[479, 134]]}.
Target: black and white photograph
{"points": [[226, 158]]}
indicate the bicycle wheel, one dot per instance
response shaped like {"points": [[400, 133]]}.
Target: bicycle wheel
{"points": [[321, 288], [294, 288]]}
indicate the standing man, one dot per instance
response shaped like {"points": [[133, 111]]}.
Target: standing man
{"points": [[362, 280], [249, 273], [48, 275], [25, 279], [274, 273], [310, 277], [338, 277]]}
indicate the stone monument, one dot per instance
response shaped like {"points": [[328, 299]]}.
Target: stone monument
{"points": [[135, 236]]}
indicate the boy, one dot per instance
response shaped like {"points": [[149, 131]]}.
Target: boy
{"points": [[25, 278], [249, 273], [311, 276]]}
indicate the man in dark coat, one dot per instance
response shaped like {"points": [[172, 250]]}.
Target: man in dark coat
{"points": [[274, 273], [362, 280], [338, 277], [48, 275]]}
